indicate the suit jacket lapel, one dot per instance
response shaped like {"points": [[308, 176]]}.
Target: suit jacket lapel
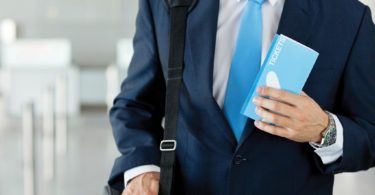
{"points": [[201, 39], [298, 18], [296, 22]]}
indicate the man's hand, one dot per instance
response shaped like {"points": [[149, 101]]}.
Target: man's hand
{"points": [[145, 184], [295, 117]]}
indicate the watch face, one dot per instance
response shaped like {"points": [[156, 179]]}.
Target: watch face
{"points": [[329, 136]]}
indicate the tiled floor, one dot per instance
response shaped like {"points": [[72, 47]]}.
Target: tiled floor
{"points": [[83, 170], [91, 151]]}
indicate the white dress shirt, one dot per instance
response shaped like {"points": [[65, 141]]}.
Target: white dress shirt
{"points": [[228, 26]]}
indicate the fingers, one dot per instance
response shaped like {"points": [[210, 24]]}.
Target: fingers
{"points": [[152, 189], [279, 95], [275, 106], [296, 117], [145, 184], [154, 186], [128, 190], [271, 129], [151, 185], [274, 118]]}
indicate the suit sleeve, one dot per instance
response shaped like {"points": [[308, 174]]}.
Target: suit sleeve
{"points": [[139, 108], [355, 106]]}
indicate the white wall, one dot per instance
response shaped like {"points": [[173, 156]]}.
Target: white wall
{"points": [[93, 26], [93, 87]]}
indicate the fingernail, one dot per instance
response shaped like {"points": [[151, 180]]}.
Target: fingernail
{"points": [[256, 123], [256, 100], [259, 89], [257, 110]]}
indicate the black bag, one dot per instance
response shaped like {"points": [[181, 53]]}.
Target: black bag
{"points": [[110, 191], [178, 10]]}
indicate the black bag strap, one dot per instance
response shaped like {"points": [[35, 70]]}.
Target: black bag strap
{"points": [[179, 10], [110, 191]]}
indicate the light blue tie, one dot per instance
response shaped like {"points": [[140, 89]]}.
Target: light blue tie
{"points": [[245, 65]]}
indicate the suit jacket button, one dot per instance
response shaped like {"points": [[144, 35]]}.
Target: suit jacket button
{"points": [[238, 159]]}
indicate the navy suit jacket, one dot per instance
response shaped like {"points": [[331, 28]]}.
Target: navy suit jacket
{"points": [[209, 161]]}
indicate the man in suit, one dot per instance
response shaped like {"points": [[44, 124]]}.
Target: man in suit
{"points": [[327, 129]]}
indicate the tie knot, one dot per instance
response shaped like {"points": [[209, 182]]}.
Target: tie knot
{"points": [[260, 2]]}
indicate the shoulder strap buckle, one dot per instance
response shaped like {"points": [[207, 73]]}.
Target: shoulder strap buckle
{"points": [[168, 145]]}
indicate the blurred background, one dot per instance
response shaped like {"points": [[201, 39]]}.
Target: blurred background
{"points": [[61, 64]]}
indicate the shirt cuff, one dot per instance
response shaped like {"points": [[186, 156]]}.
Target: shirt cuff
{"points": [[333, 152], [134, 172]]}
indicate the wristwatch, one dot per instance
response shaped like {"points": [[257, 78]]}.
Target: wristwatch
{"points": [[329, 134]]}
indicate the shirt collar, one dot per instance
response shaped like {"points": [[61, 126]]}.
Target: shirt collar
{"points": [[272, 2]]}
